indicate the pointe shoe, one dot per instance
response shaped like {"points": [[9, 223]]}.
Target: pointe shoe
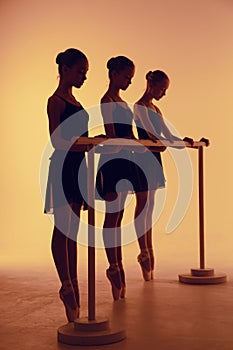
{"points": [[152, 262], [113, 274], [144, 261], [123, 286], [67, 296], [76, 290]]}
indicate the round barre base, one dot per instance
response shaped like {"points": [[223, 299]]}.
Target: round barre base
{"points": [[203, 276], [85, 332]]}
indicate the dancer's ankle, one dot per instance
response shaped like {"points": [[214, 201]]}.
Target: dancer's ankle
{"points": [[66, 284], [144, 252], [113, 266], [74, 281]]}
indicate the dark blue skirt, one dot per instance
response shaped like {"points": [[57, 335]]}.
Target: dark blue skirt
{"points": [[130, 172], [67, 180]]}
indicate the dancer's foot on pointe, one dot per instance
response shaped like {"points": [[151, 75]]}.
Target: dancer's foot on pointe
{"points": [[152, 262], [67, 296], [123, 284], [114, 276], [144, 261], [76, 290]]}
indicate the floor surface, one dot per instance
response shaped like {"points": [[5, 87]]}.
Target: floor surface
{"points": [[161, 314]]}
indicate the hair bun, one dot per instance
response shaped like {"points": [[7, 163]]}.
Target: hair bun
{"points": [[149, 75], [59, 58], [111, 63]]}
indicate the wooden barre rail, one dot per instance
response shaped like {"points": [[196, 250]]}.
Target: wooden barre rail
{"points": [[95, 141]]}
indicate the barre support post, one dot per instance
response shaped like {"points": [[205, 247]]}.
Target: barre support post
{"points": [[91, 236], [201, 207], [202, 275]]}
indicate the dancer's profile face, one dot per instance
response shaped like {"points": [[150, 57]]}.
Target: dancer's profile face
{"points": [[76, 74], [158, 90], [123, 78]]}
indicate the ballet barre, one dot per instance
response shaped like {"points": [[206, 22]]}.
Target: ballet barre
{"points": [[94, 330]]}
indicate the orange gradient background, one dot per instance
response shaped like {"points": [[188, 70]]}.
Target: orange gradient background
{"points": [[190, 40]]}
